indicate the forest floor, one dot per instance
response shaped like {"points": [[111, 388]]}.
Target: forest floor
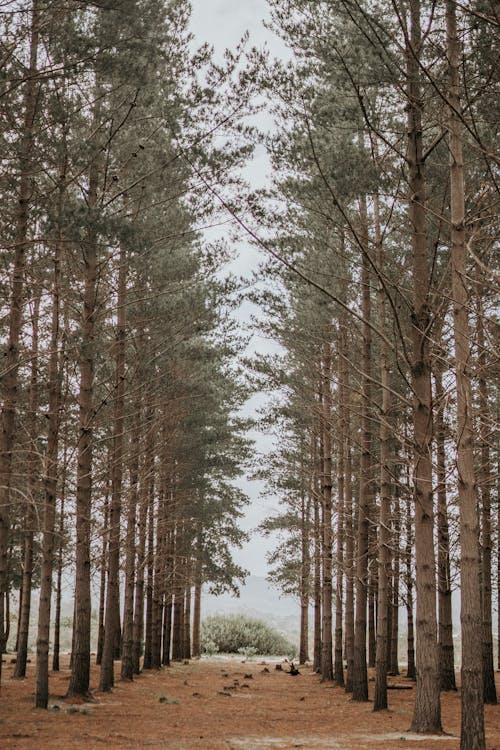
{"points": [[220, 705]]}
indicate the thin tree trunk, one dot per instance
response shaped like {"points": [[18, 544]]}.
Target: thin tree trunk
{"points": [[342, 366], [112, 623], [472, 730], [146, 479], [57, 616], [127, 669], [9, 379], [50, 479], [349, 547], [167, 629], [427, 709], [187, 623], [394, 631], [446, 650], [148, 654], [305, 572], [360, 673], [326, 496], [196, 610], [80, 670], [29, 518], [317, 582], [490, 693], [103, 571], [380, 699], [411, 671]]}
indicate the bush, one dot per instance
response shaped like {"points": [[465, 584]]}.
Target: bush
{"points": [[239, 634]]}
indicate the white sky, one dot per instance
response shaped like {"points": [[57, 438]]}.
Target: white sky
{"points": [[222, 23]]}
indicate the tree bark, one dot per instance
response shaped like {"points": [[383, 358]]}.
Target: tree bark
{"points": [[112, 623], [427, 709], [485, 479], [445, 636], [472, 729], [9, 379], [326, 520], [380, 699], [80, 669], [360, 673], [127, 668], [29, 518]]}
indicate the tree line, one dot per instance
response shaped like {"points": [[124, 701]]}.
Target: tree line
{"points": [[120, 433], [381, 242]]}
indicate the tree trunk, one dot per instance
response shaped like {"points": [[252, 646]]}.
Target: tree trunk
{"points": [[317, 586], [349, 549], [472, 734], [305, 572], [167, 629], [196, 610], [326, 497], [427, 709], [146, 479], [394, 631], [50, 481], [9, 379], [127, 669], [490, 693], [112, 622], [148, 644], [446, 650], [29, 518], [103, 571], [411, 671], [380, 700], [80, 670], [360, 674]]}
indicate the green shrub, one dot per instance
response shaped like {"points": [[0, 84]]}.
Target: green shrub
{"points": [[239, 634]]}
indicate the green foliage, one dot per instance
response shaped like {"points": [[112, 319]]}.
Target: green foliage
{"points": [[239, 634]]}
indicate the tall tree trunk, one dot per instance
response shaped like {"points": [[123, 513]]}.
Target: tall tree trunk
{"points": [[146, 479], [50, 479], [148, 634], [196, 607], [490, 693], [411, 671], [317, 583], [112, 623], [305, 572], [60, 550], [360, 674], [349, 546], [446, 650], [127, 669], [187, 622], [167, 629], [380, 700], [326, 498], [427, 709], [29, 518], [103, 570], [9, 379], [472, 734], [80, 662], [341, 391], [394, 631]]}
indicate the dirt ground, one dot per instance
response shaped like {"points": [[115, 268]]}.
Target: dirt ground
{"points": [[219, 705]]}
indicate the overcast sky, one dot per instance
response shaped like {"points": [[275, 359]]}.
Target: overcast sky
{"points": [[222, 23]]}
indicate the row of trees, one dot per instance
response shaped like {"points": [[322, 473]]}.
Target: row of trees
{"points": [[120, 440], [380, 233]]}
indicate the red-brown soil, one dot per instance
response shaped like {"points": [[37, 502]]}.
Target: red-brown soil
{"points": [[211, 705]]}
